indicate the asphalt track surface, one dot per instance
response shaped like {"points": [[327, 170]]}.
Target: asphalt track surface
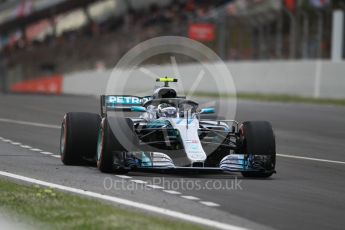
{"points": [[306, 192]]}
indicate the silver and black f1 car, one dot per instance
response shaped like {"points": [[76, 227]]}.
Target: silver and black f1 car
{"points": [[169, 135]]}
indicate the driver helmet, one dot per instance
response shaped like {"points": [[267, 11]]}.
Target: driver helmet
{"points": [[166, 110]]}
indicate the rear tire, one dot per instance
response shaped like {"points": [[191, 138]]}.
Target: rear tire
{"points": [[110, 151], [78, 139], [258, 139]]}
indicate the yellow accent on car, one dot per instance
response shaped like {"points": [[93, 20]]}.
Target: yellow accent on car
{"points": [[166, 79]]}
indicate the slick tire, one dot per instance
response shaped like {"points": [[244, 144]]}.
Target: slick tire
{"points": [[111, 150], [258, 139], [78, 140]]}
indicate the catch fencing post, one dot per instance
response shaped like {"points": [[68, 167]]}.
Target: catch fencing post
{"points": [[337, 35]]}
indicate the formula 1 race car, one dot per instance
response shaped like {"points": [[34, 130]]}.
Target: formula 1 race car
{"points": [[170, 135]]}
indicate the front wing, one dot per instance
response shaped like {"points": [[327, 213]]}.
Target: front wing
{"points": [[160, 162]]}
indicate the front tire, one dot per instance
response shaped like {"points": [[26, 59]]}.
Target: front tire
{"points": [[110, 150], [78, 140], [258, 140]]}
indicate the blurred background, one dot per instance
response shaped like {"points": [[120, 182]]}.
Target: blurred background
{"points": [[43, 42]]}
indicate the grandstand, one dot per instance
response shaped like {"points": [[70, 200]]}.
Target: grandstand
{"points": [[41, 37]]}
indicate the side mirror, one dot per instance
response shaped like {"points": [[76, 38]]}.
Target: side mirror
{"points": [[138, 109], [207, 111]]}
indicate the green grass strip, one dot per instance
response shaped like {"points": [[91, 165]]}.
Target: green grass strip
{"points": [[40, 206]]}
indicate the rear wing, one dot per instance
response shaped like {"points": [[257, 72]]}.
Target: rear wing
{"points": [[121, 102]]}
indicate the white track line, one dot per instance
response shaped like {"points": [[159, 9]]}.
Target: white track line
{"points": [[142, 206], [47, 153], [28, 147], [36, 150], [139, 181], [16, 143], [124, 176], [172, 192], [209, 203], [190, 197], [311, 159], [154, 186], [5, 120]]}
